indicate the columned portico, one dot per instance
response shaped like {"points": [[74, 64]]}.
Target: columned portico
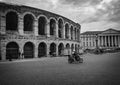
{"points": [[109, 41]]}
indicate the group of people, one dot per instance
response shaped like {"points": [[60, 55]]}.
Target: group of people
{"points": [[75, 57]]}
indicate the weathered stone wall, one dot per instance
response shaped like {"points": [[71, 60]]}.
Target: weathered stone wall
{"points": [[21, 37]]}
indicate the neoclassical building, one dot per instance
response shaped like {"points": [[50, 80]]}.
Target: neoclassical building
{"points": [[107, 39], [35, 33]]}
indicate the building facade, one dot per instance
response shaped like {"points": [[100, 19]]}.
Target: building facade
{"points": [[107, 39], [35, 33]]}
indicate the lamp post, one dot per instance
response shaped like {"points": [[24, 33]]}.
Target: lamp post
{"points": [[97, 50], [96, 38]]}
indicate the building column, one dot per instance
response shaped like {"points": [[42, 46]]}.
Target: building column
{"points": [[20, 25], [3, 50], [119, 40], [98, 41], [69, 33], [21, 50], [63, 31], [36, 51], [48, 29], [2, 23], [105, 41], [101, 41], [36, 27], [109, 41]]}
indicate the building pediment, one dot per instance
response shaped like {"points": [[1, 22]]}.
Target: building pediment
{"points": [[110, 31]]}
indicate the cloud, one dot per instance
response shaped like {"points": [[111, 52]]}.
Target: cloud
{"points": [[89, 13], [80, 2]]}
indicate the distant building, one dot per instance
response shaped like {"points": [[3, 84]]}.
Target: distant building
{"points": [[35, 33], [109, 38]]}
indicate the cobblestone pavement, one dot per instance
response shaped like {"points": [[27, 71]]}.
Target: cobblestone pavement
{"points": [[101, 69]]}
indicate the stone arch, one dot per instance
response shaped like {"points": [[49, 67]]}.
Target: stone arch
{"points": [[60, 27], [71, 29], [61, 49], [42, 23], [28, 22], [75, 33], [67, 31], [76, 47], [52, 26], [52, 48], [12, 21], [42, 49], [12, 50], [29, 50], [68, 46], [78, 34], [72, 47]]}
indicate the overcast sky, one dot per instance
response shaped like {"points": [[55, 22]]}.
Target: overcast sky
{"points": [[93, 15]]}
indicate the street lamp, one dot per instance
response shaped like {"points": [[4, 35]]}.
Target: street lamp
{"points": [[97, 50], [96, 38]]}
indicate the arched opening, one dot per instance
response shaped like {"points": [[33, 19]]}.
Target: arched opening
{"points": [[78, 34], [42, 25], [42, 50], [72, 32], [66, 31], [52, 27], [76, 47], [60, 28], [28, 50], [75, 34], [12, 50], [68, 48], [72, 47], [52, 48], [12, 21], [60, 49], [28, 22]]}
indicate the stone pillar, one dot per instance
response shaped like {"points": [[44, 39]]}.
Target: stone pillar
{"points": [[98, 41], [36, 51], [105, 41], [57, 29], [3, 50], [64, 31], [119, 40], [20, 25], [3, 23], [109, 41], [21, 49], [69, 33], [48, 29], [36, 27]]}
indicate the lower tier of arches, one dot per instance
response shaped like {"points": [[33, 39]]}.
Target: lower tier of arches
{"points": [[29, 49]]}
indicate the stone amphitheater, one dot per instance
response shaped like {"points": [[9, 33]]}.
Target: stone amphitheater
{"points": [[35, 33]]}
